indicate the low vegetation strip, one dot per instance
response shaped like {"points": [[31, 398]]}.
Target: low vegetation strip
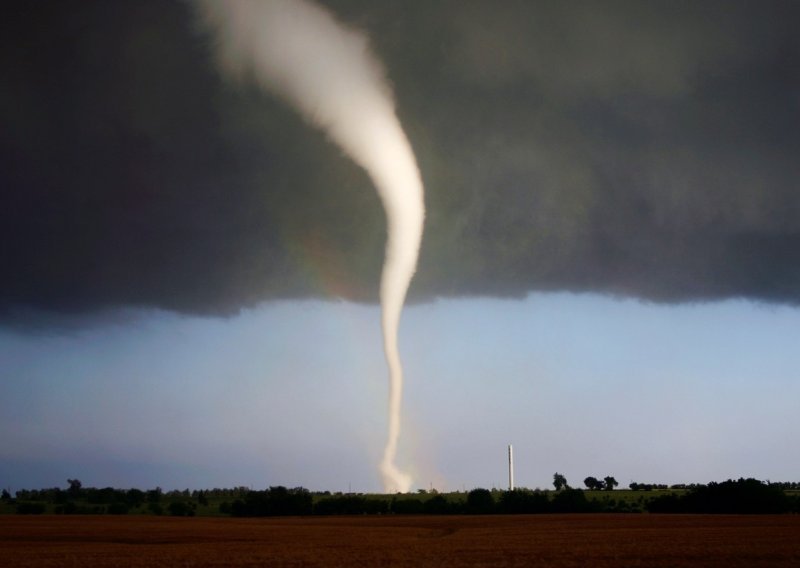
{"points": [[749, 496]]}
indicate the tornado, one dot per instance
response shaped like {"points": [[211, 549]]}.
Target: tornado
{"points": [[300, 52]]}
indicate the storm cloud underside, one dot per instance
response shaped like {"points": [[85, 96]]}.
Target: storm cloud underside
{"points": [[640, 149]]}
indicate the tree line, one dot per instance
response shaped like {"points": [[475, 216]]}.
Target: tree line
{"points": [[744, 496], [79, 500], [740, 496]]}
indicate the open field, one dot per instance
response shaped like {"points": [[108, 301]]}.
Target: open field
{"points": [[452, 541]]}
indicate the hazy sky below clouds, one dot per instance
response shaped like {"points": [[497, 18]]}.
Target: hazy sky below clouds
{"points": [[294, 393]]}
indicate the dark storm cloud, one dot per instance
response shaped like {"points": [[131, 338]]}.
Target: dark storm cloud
{"points": [[638, 148]]}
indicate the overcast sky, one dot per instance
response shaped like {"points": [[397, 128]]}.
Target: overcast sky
{"points": [[609, 277]]}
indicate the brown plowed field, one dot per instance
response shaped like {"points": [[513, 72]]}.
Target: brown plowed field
{"points": [[529, 540]]}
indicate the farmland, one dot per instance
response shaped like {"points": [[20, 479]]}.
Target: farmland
{"points": [[395, 540]]}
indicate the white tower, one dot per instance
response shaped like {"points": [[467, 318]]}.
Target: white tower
{"points": [[510, 468]]}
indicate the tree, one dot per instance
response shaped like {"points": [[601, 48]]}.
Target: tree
{"points": [[560, 482], [524, 501], [154, 495], [6, 495], [593, 483], [571, 501], [610, 483], [437, 505], [407, 506], [135, 497], [745, 496], [275, 501], [480, 502], [74, 487]]}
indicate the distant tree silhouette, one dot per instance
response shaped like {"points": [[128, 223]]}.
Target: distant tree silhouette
{"points": [[74, 487], [407, 506], [610, 483], [105, 495], [480, 502], [748, 496], [523, 501], [560, 482], [276, 501], [571, 501], [154, 495], [650, 486], [437, 505], [593, 483], [135, 497]]}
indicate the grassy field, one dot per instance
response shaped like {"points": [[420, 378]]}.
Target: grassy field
{"points": [[402, 541]]}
